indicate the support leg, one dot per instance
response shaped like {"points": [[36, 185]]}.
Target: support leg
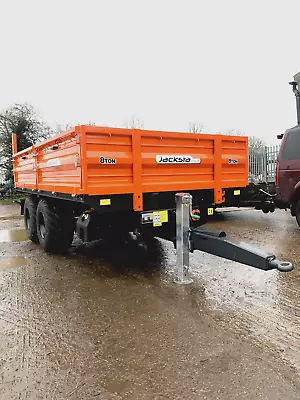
{"points": [[183, 204]]}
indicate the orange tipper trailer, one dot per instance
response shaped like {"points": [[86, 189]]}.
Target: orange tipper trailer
{"points": [[96, 180], [131, 166]]}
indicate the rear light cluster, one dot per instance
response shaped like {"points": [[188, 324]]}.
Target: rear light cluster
{"points": [[277, 172]]}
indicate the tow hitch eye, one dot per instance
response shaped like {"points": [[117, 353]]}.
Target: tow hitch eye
{"points": [[282, 266]]}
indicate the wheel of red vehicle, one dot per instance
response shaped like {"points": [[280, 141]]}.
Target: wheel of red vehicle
{"points": [[298, 212], [55, 227], [30, 206]]}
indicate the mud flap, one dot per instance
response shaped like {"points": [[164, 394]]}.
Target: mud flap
{"points": [[21, 203]]}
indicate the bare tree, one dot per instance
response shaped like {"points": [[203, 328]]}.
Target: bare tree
{"points": [[24, 121], [256, 143], [64, 127], [195, 127], [235, 132], [256, 149], [135, 123], [257, 159]]}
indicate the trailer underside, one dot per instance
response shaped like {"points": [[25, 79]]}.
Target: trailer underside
{"points": [[52, 221]]}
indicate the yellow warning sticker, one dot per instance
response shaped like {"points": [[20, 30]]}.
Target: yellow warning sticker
{"points": [[164, 216], [210, 211], [236, 192], [159, 217], [105, 202]]}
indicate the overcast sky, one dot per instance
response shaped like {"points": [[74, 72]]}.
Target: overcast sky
{"points": [[224, 63]]}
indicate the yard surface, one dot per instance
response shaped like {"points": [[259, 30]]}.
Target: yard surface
{"points": [[107, 322]]}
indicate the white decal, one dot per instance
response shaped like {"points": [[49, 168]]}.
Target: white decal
{"points": [[232, 161], [53, 163], [176, 159], [104, 160]]}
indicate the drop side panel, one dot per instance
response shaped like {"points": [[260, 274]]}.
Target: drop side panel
{"points": [[24, 169], [234, 162], [109, 161], [53, 165], [58, 167], [132, 161], [161, 176]]}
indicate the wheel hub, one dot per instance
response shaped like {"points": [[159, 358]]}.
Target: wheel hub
{"points": [[42, 227]]}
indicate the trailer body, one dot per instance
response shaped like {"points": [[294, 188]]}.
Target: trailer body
{"points": [[112, 162]]}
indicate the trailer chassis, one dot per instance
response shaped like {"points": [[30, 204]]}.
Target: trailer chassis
{"points": [[181, 227]]}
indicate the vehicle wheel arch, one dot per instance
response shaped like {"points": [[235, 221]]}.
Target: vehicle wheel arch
{"points": [[295, 199]]}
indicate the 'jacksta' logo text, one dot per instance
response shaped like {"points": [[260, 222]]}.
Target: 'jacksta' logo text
{"points": [[176, 159]]}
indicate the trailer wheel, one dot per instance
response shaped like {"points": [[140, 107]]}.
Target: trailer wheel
{"points": [[30, 206], [55, 227]]}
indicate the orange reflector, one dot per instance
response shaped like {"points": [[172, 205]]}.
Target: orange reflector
{"points": [[195, 212]]}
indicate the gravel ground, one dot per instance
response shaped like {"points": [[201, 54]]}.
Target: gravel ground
{"points": [[107, 322]]}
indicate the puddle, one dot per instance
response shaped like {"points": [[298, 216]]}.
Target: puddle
{"points": [[9, 209], [11, 217], [13, 235], [13, 262]]}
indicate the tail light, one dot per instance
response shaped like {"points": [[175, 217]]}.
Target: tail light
{"points": [[277, 173]]}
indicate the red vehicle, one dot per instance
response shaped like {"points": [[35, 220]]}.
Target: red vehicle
{"points": [[288, 165]]}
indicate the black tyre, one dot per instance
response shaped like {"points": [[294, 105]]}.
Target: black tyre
{"points": [[30, 206], [298, 213], [55, 227]]}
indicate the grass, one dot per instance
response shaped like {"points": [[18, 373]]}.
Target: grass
{"points": [[11, 197], [9, 200]]}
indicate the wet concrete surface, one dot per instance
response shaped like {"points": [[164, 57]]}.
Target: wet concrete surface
{"points": [[10, 210], [13, 235], [266, 301], [13, 262], [107, 322]]}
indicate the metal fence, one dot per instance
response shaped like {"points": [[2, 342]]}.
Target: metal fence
{"points": [[262, 164]]}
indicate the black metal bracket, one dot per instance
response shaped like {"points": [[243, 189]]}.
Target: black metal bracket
{"points": [[21, 203], [220, 245], [294, 85]]}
